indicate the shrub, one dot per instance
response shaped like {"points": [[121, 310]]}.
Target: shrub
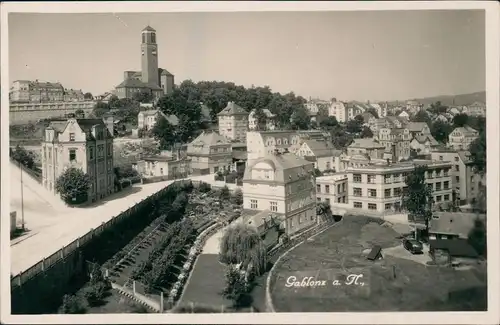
{"points": [[95, 293], [205, 187], [72, 305], [73, 185]]}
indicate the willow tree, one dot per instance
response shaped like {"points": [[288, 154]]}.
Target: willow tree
{"points": [[242, 244]]}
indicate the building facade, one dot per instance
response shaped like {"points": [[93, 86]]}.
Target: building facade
{"points": [[332, 189], [23, 113], [86, 144], [27, 91], [233, 122], [285, 185], [395, 141], [461, 138], [146, 120], [151, 78], [379, 188], [269, 124], [338, 110], [369, 147], [166, 166], [321, 153], [476, 109], [210, 153], [424, 144]]}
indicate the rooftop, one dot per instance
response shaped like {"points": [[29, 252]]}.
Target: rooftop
{"points": [[452, 223], [366, 143], [232, 109], [455, 247], [282, 161], [331, 178]]}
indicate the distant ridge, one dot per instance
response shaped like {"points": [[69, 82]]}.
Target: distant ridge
{"points": [[447, 100]]}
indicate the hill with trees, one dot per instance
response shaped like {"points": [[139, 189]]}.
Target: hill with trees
{"points": [[450, 100]]}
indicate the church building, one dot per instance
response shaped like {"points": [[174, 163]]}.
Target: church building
{"points": [[151, 78]]}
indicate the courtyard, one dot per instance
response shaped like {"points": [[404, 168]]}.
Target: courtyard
{"points": [[397, 282]]}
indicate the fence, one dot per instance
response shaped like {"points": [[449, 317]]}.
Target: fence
{"points": [[60, 255], [155, 179]]}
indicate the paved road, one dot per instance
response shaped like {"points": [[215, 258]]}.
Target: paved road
{"points": [[61, 226]]}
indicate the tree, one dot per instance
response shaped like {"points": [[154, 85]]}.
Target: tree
{"points": [[113, 101], [143, 96], [354, 126], [373, 111], [80, 113], [329, 122], [477, 237], [238, 196], [340, 138], [164, 133], [23, 156], [236, 288], [72, 305], [100, 109], [300, 119], [260, 118], [366, 132], [477, 151], [73, 185], [225, 194], [417, 199], [88, 96], [437, 108], [460, 120], [440, 131], [422, 116], [243, 244]]}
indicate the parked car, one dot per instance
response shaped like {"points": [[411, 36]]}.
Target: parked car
{"points": [[413, 246]]}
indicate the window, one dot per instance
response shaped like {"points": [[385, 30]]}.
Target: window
{"points": [[446, 185], [253, 204], [91, 153], [388, 206], [273, 206], [358, 191], [343, 187], [456, 158], [318, 188], [438, 198], [457, 179], [161, 171], [371, 179], [441, 158], [110, 165], [327, 188], [101, 167], [447, 197], [372, 206], [397, 191], [404, 176], [72, 155], [387, 179], [71, 137], [405, 190], [356, 178], [446, 172], [318, 199], [387, 192], [431, 186], [110, 149], [438, 186], [327, 201], [396, 177], [372, 192], [358, 205]]}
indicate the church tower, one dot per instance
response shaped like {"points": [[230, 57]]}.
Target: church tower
{"points": [[149, 57]]}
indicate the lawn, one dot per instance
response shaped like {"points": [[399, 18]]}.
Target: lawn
{"points": [[391, 284], [206, 283]]}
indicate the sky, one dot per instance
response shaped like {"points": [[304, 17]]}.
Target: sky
{"points": [[371, 55]]}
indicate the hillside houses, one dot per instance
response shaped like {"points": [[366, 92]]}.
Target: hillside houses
{"points": [[396, 141], [461, 138], [424, 144], [321, 153]]}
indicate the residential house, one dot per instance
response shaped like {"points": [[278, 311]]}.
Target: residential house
{"points": [[146, 120], [261, 143], [233, 122], [368, 118], [424, 144], [378, 187], [418, 128], [283, 184], [405, 115], [413, 107], [477, 109], [465, 182], [321, 153], [170, 167], [461, 137], [86, 144], [338, 109], [265, 222], [441, 118], [454, 110], [210, 152], [395, 141], [332, 189], [353, 109], [269, 123], [369, 147]]}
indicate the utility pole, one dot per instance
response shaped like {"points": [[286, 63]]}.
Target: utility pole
{"points": [[22, 196]]}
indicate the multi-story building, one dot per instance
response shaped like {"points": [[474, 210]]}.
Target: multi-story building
{"points": [[26, 91], [465, 182], [210, 152], [86, 144], [424, 144], [368, 147], [150, 79], [321, 153], [461, 138], [73, 95], [317, 106], [395, 141], [338, 110], [378, 187], [166, 166], [233, 122], [353, 110], [332, 189], [476, 109], [146, 120], [269, 123], [283, 184], [418, 128]]}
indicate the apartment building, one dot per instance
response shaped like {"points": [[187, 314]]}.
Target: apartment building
{"points": [[461, 138], [86, 144], [395, 141], [332, 189], [233, 122], [379, 187], [210, 152], [338, 110], [367, 146], [269, 122], [284, 185], [465, 182]]}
